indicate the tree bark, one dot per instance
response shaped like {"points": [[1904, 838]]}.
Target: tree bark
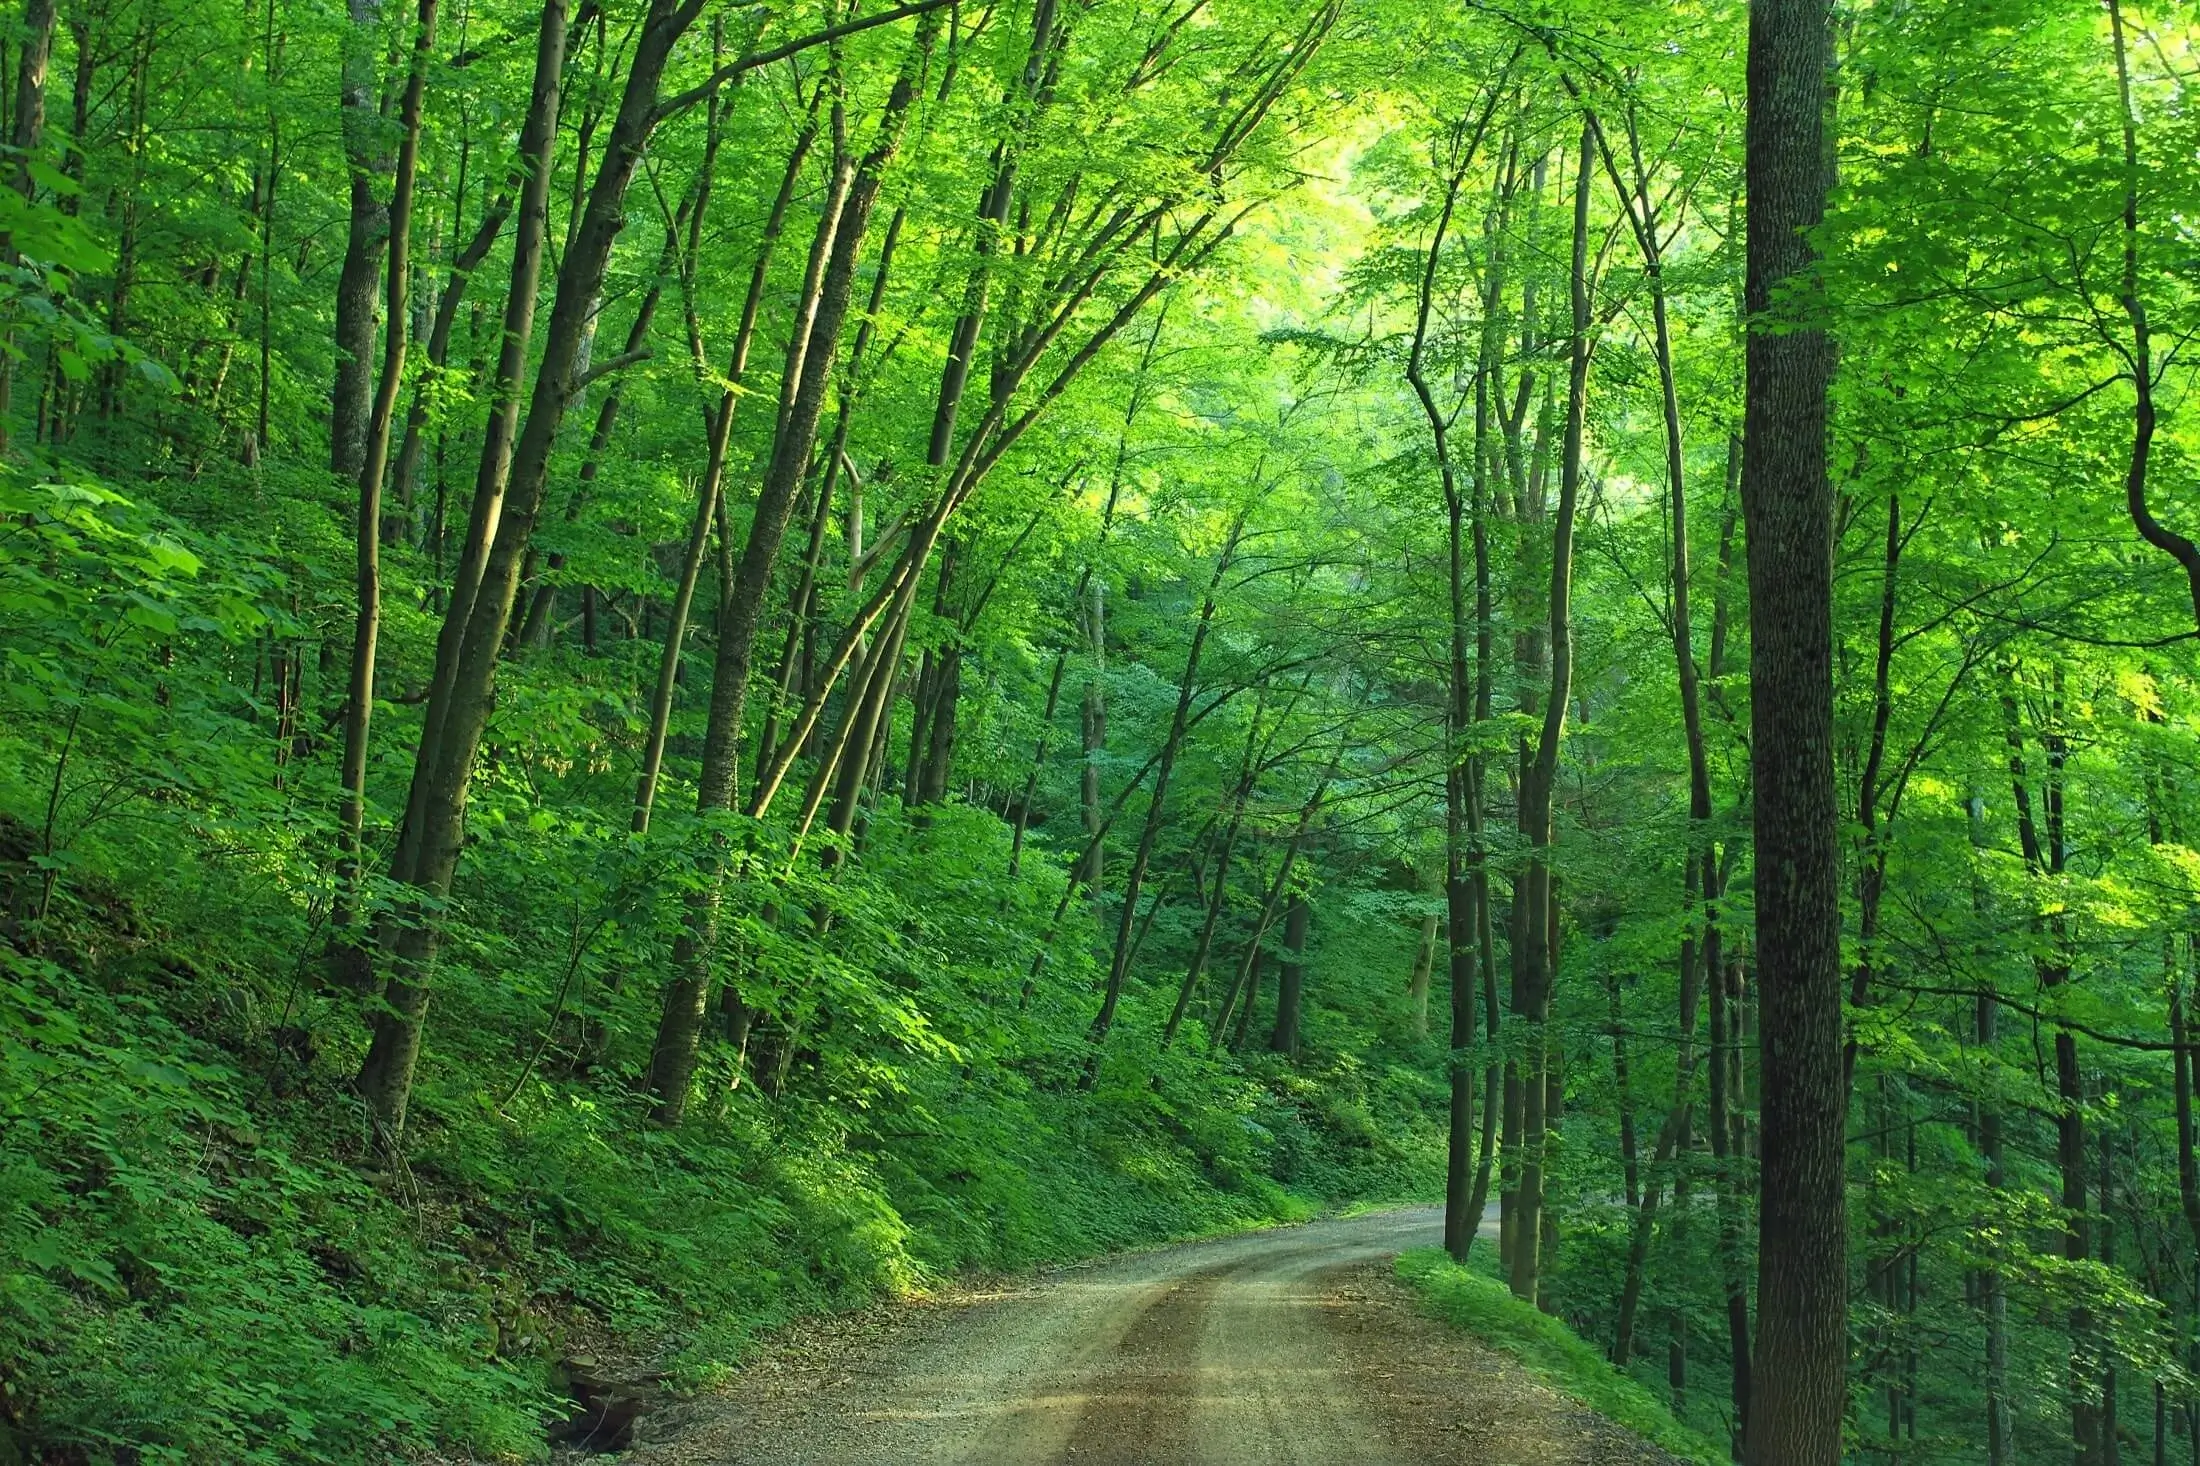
{"points": [[1799, 1376]]}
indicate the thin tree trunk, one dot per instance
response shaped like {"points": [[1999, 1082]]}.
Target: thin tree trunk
{"points": [[806, 382], [1538, 915], [482, 602], [1240, 795], [802, 609], [2140, 359], [406, 473], [367, 625], [1994, 1292], [2041, 835], [1007, 418], [25, 133], [366, 160], [1462, 777], [1283, 1038], [1038, 763], [1255, 955], [1187, 688], [1424, 959], [27, 127], [1247, 983], [708, 495], [808, 378]]}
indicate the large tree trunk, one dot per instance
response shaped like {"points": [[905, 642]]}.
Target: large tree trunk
{"points": [[1800, 1388]]}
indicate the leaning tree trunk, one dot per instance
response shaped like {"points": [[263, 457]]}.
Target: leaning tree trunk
{"points": [[811, 360], [436, 826], [1241, 794], [1247, 984], [1187, 688], [386, 1076], [708, 495], [1800, 1375]]}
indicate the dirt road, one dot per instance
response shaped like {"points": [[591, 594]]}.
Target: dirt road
{"points": [[1291, 1347]]}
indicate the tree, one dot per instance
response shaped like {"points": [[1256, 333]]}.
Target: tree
{"points": [[1800, 1372]]}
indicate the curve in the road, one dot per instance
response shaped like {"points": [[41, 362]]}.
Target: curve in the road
{"points": [[1269, 1349]]}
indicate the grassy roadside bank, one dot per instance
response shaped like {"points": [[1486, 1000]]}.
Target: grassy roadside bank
{"points": [[1480, 1305]]}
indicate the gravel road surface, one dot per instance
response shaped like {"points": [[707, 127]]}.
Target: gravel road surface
{"points": [[1289, 1347]]}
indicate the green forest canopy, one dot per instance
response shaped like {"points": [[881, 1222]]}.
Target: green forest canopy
{"points": [[668, 662]]}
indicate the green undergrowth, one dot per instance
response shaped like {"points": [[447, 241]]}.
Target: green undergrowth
{"points": [[203, 1258], [1480, 1305]]}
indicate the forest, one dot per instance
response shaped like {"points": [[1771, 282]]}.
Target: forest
{"points": [[675, 663]]}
